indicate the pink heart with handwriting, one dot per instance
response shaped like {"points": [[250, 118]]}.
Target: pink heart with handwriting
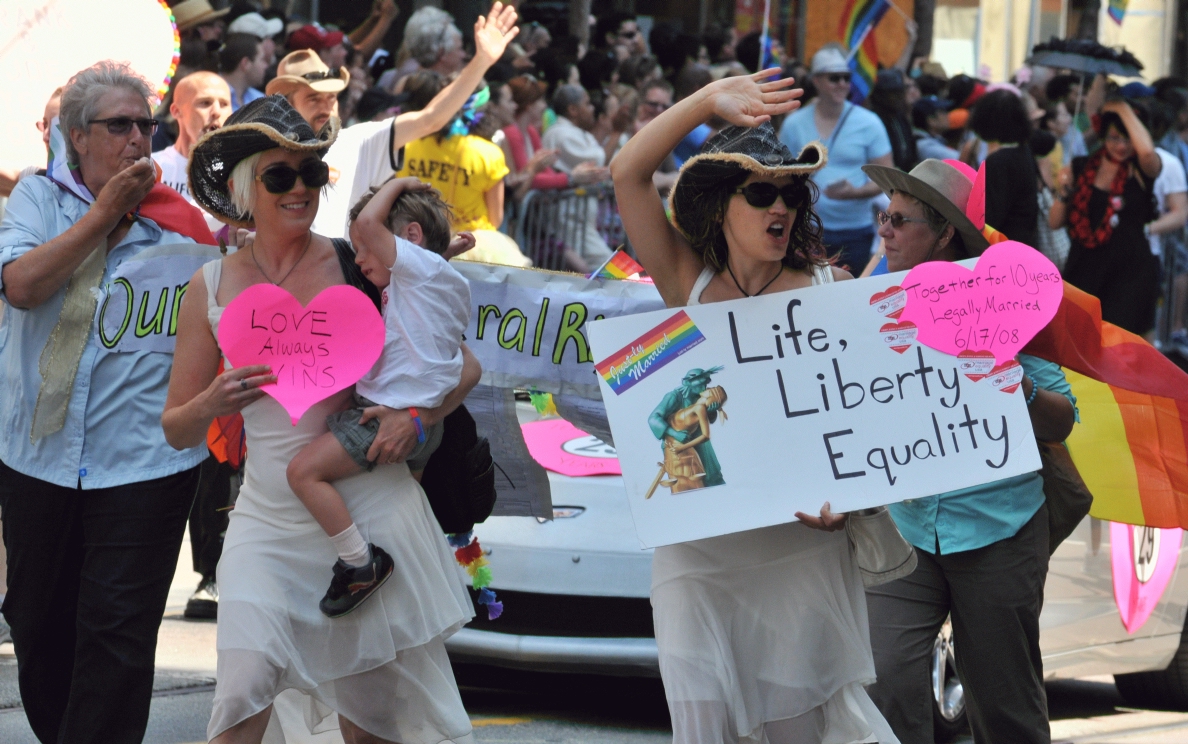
{"points": [[315, 350], [1008, 297]]}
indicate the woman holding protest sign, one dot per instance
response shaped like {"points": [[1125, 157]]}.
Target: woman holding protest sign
{"points": [[762, 634], [982, 551], [383, 668]]}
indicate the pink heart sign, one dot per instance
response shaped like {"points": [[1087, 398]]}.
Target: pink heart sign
{"points": [[1008, 297], [315, 350]]}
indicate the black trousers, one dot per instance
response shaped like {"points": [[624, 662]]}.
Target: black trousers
{"points": [[208, 525], [994, 595], [88, 576]]}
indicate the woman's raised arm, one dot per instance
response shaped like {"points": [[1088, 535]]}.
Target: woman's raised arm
{"points": [[197, 392], [745, 101]]}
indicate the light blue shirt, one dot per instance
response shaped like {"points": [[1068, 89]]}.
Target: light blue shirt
{"points": [[113, 432], [238, 101], [860, 140], [975, 517], [691, 144]]}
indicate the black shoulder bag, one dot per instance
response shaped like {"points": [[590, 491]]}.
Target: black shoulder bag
{"points": [[459, 480]]}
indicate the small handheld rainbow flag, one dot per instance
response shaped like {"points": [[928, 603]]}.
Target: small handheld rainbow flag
{"points": [[857, 22], [618, 266], [648, 353], [1117, 10]]}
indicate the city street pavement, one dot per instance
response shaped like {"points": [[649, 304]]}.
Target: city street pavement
{"points": [[521, 708]]}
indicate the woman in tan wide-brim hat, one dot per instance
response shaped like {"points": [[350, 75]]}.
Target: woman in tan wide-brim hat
{"points": [[761, 634], [383, 669], [982, 552]]}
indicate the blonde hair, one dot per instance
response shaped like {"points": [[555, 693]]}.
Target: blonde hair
{"points": [[242, 185]]}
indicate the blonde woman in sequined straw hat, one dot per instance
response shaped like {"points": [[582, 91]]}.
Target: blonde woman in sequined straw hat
{"points": [[382, 669]]}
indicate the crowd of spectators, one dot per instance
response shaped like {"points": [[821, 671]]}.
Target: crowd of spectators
{"points": [[556, 110]]}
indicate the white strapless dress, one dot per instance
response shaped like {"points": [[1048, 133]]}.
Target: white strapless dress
{"points": [[384, 666], [763, 635]]}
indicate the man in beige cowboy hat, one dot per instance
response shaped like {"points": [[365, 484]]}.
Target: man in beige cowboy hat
{"points": [[982, 552], [198, 18], [369, 153]]}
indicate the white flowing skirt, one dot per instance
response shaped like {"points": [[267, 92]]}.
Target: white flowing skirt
{"points": [[384, 665], [763, 637]]}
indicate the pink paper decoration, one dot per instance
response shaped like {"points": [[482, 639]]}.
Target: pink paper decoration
{"points": [[1011, 294], [315, 350], [563, 448]]}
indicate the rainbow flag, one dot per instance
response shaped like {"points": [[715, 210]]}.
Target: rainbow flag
{"points": [[648, 353], [1132, 449], [1117, 10], [618, 266], [857, 24]]}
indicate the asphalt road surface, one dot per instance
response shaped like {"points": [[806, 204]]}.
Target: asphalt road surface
{"points": [[510, 707]]}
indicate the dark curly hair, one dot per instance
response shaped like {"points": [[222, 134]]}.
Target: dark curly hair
{"points": [[706, 189]]}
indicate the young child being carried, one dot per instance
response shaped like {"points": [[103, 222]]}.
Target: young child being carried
{"points": [[426, 306]]}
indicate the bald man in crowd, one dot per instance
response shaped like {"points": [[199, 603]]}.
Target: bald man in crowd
{"points": [[201, 103], [10, 176]]}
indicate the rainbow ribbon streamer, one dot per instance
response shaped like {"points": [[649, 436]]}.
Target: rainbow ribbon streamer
{"points": [[618, 266], [857, 24], [648, 353], [469, 555], [1117, 10]]}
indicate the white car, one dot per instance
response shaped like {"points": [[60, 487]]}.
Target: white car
{"points": [[575, 592]]}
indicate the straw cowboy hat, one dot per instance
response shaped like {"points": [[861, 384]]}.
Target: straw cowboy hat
{"points": [[193, 13], [263, 124], [940, 186], [305, 67], [755, 149]]}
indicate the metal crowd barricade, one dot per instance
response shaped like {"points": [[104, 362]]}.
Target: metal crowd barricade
{"points": [[555, 222], [1174, 250]]}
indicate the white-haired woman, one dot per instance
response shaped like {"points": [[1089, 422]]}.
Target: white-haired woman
{"points": [[431, 42], [383, 669], [94, 500]]}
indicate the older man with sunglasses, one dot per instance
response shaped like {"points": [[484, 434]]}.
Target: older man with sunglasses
{"points": [[854, 137], [369, 153], [94, 500]]}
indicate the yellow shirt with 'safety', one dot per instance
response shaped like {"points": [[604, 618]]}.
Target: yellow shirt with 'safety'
{"points": [[463, 169]]}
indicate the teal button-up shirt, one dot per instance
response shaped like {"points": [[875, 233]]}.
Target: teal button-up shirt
{"points": [[113, 433], [975, 517]]}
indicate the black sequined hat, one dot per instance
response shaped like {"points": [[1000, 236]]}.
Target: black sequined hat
{"points": [[263, 124], [755, 149]]}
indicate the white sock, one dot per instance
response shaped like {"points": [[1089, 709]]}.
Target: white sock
{"points": [[351, 547]]}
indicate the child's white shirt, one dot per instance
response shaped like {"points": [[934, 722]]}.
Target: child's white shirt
{"points": [[426, 308]]}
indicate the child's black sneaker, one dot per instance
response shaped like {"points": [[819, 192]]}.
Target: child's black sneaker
{"points": [[352, 585]]}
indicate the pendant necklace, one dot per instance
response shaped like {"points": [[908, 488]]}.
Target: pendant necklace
{"points": [[761, 291], [290, 271]]}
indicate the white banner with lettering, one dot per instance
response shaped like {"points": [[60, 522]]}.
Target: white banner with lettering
{"points": [[138, 306], [736, 415]]}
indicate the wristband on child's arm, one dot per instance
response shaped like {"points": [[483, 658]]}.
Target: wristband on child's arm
{"points": [[416, 419]]}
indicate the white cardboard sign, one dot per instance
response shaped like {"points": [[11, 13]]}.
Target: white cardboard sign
{"points": [[814, 395]]}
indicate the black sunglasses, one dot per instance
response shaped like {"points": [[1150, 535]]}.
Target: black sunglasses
{"points": [[314, 77], [838, 77], [120, 125], [762, 194], [279, 179]]}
